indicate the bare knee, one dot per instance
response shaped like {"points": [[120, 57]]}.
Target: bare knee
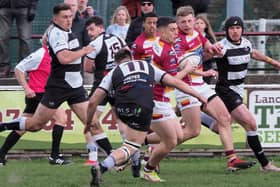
{"points": [[170, 144], [192, 132], [224, 120], [250, 125], [35, 128]]}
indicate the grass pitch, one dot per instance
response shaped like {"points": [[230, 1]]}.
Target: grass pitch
{"points": [[188, 172]]}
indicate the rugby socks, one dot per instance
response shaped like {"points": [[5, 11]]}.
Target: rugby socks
{"points": [[92, 149], [56, 139], [149, 168], [146, 141], [107, 164], [207, 121], [10, 141], [254, 143], [17, 124], [103, 143], [230, 154], [136, 158]]}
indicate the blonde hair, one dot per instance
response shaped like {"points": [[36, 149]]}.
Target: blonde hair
{"points": [[208, 29], [114, 17], [184, 11]]}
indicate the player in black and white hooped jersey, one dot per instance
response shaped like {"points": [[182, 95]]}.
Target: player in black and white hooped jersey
{"points": [[100, 62], [65, 81], [232, 69], [132, 81]]}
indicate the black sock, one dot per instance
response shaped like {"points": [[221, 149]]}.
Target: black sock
{"points": [[10, 141], [146, 141], [103, 169], [104, 144], [255, 145], [56, 139], [14, 125]]}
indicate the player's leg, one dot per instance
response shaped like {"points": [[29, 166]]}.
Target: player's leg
{"points": [[243, 116], [80, 109], [60, 119], [168, 135], [137, 119], [189, 108]]}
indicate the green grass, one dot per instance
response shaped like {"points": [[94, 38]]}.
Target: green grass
{"points": [[178, 172]]}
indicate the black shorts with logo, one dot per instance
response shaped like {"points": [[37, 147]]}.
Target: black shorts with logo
{"points": [[54, 97], [32, 103], [135, 116], [230, 98]]}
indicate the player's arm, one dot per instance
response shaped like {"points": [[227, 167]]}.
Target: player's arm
{"points": [[30, 63], [66, 56], [189, 68], [94, 101], [257, 55], [20, 76], [207, 73], [212, 49], [169, 80], [182, 86]]}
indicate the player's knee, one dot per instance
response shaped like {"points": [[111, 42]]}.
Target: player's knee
{"points": [[251, 125], [129, 148], [35, 128], [224, 119], [194, 132], [170, 144]]}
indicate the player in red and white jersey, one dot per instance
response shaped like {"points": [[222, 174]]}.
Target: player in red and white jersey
{"points": [[164, 121], [142, 46], [191, 40]]}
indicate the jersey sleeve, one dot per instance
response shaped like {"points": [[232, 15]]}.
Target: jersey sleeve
{"points": [[123, 43], [32, 61], [57, 40], [159, 74], [106, 83], [97, 44]]}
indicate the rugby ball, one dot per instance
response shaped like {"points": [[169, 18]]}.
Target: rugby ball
{"points": [[191, 57]]}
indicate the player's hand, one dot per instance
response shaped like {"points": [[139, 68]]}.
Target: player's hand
{"points": [[277, 63], [88, 49], [204, 101], [210, 73], [216, 49], [29, 93], [190, 67], [87, 128], [92, 126]]}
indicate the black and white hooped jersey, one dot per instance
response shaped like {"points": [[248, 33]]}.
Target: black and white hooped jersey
{"points": [[106, 45], [233, 66], [132, 82], [63, 75]]}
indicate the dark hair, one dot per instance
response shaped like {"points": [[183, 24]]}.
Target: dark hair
{"points": [[122, 54], [164, 21], [149, 15], [98, 21], [232, 21], [60, 7], [151, 1]]}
